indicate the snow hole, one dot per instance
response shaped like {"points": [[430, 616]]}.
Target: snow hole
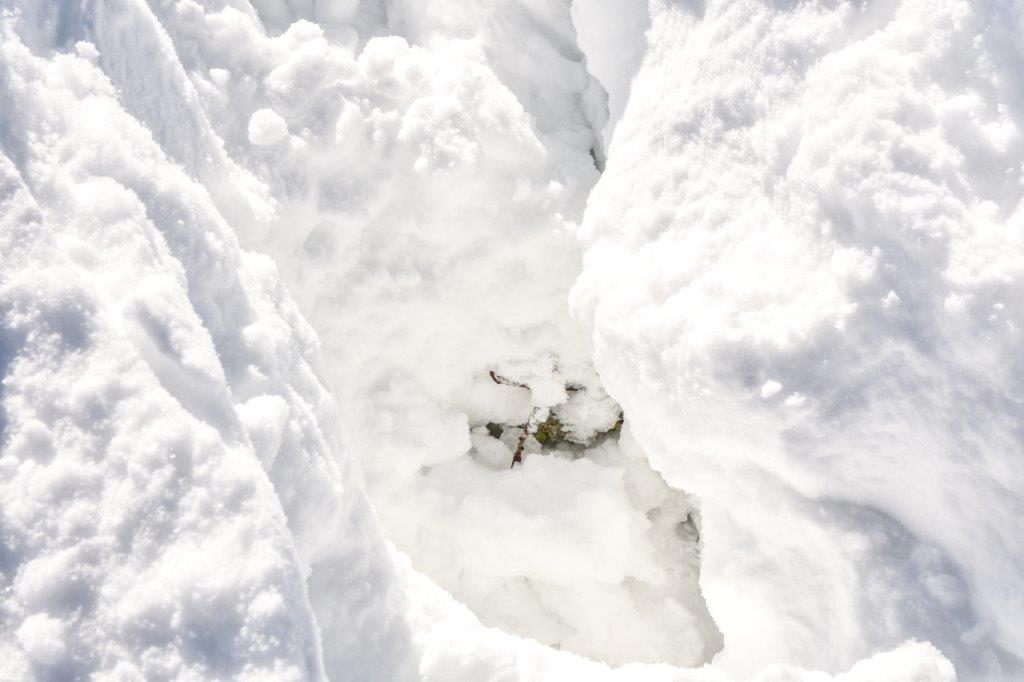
{"points": [[553, 526]]}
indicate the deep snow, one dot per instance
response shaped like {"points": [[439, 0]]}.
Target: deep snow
{"points": [[803, 278], [796, 277]]}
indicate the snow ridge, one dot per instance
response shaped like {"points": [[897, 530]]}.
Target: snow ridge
{"points": [[151, 368], [802, 274]]}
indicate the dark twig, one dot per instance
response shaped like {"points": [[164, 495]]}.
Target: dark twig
{"points": [[504, 381], [529, 429], [517, 457], [498, 379]]}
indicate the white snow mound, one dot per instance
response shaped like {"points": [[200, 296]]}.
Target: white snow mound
{"points": [[803, 268]]}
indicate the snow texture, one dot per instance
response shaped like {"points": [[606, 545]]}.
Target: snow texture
{"points": [[803, 269], [796, 278], [419, 292], [141, 537]]}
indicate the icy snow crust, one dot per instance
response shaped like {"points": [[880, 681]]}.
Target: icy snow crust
{"points": [[179, 497]]}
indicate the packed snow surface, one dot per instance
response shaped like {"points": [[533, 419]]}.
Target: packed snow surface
{"points": [[289, 287]]}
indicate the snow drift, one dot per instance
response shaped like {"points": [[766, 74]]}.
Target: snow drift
{"points": [[795, 278], [803, 270]]}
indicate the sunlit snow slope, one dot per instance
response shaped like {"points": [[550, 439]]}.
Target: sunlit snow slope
{"points": [[796, 277], [173, 506], [804, 269]]}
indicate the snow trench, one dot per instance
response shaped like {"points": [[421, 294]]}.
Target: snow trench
{"points": [[442, 316], [446, 327], [509, 340]]}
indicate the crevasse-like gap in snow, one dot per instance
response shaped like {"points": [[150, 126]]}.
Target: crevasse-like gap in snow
{"points": [[176, 500], [573, 564], [420, 196], [418, 291]]}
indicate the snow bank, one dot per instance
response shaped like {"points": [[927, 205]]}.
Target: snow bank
{"points": [[178, 497], [150, 366], [803, 270]]}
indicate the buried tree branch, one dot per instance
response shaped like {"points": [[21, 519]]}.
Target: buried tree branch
{"points": [[505, 381], [529, 429], [548, 430], [498, 379]]}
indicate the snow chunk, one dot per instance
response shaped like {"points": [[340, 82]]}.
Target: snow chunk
{"points": [[770, 388], [266, 128], [795, 400], [42, 637], [891, 299], [87, 50], [264, 418], [220, 77]]}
